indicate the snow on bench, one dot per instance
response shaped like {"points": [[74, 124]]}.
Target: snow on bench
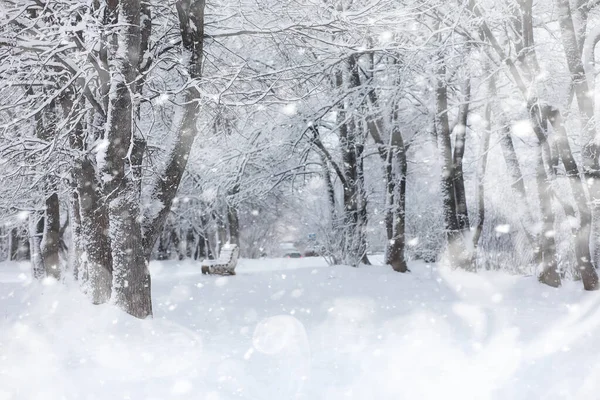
{"points": [[225, 264]]}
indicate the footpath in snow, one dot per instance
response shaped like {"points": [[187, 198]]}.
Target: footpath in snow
{"points": [[298, 329]]}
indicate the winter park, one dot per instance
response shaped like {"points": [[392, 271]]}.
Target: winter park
{"points": [[299, 199]]}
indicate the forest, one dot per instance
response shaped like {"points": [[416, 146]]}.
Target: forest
{"points": [[459, 131], [299, 199]]}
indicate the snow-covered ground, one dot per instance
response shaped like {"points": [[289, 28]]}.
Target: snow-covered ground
{"points": [[298, 329]]}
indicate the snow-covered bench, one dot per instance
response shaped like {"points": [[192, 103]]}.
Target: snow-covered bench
{"points": [[225, 264]]}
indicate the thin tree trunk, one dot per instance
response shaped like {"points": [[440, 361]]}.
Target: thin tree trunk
{"points": [[362, 212], [14, 244], [462, 213], [330, 188], [354, 251], [36, 232], [190, 243], [24, 248], [47, 236], [164, 243], [50, 245], [176, 243], [332, 203], [395, 170], [481, 170], [75, 248]]}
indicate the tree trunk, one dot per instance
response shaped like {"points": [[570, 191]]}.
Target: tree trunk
{"points": [[190, 243], [164, 242], [355, 202], [14, 242], [456, 251], [363, 216], [24, 248], [131, 278], [462, 213], [234, 225], [395, 170], [481, 170], [546, 254], [395, 252], [549, 275], [96, 257], [200, 253], [176, 243], [36, 232], [75, 248], [582, 242], [47, 238], [50, 245], [332, 203]]}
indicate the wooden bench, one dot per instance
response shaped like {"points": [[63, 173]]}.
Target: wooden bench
{"points": [[225, 264]]}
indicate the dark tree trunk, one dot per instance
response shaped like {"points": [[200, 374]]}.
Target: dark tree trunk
{"points": [[163, 251], [395, 253], [462, 213], [355, 202], [330, 188], [190, 243], [200, 252], [24, 248], [363, 216], [50, 245], [456, 251], [46, 241], [395, 168], [14, 242], [234, 225], [176, 243], [210, 254]]}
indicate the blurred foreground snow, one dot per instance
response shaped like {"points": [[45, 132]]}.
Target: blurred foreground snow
{"points": [[298, 329]]}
